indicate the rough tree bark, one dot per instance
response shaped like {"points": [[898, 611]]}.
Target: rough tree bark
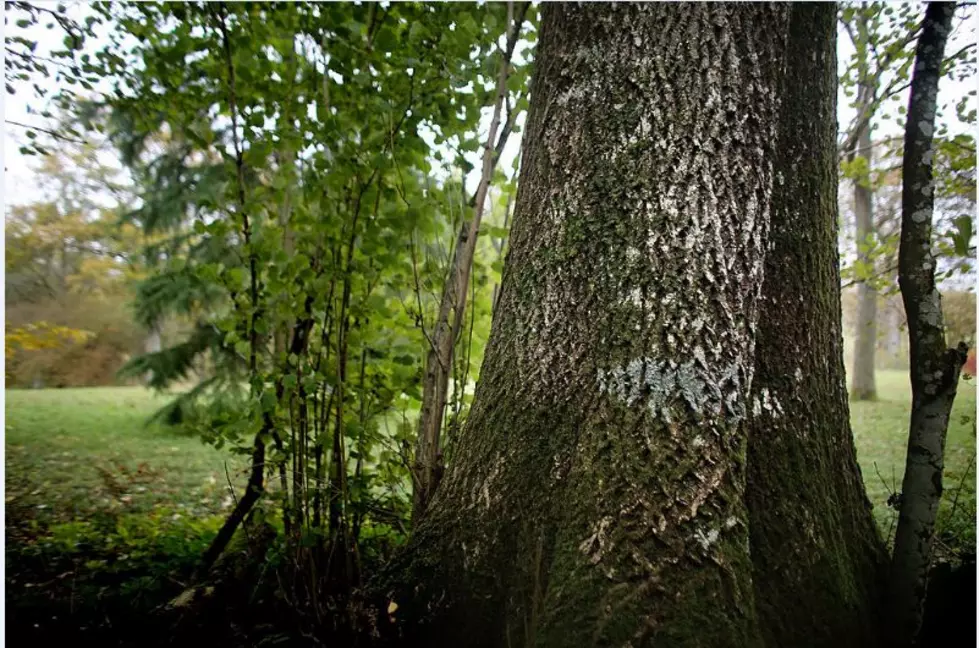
{"points": [[427, 471], [934, 367], [864, 385], [597, 495], [819, 564]]}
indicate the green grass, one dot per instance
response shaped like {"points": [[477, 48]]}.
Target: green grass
{"points": [[880, 430], [75, 453]]}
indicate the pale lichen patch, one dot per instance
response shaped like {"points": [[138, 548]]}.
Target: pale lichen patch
{"points": [[665, 385], [767, 403], [482, 493], [706, 539], [595, 545]]}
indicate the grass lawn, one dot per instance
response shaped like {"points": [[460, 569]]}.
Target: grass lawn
{"points": [[73, 453], [880, 431]]}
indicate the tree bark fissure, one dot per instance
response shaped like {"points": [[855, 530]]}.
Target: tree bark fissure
{"points": [[934, 368], [597, 494]]}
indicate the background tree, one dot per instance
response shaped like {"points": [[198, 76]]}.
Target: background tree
{"points": [[868, 80], [69, 264]]}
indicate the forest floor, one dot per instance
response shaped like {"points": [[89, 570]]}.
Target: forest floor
{"points": [[104, 512]]}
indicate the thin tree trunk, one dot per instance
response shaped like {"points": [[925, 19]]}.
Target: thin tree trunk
{"points": [[253, 491], [152, 344], [596, 495], [934, 367], [286, 159], [256, 479], [438, 362], [863, 383], [340, 567], [892, 337], [864, 386], [818, 563]]}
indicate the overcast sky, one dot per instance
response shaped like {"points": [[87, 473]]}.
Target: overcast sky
{"points": [[20, 185]]}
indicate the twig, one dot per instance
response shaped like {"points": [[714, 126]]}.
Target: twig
{"points": [[877, 470], [958, 489], [52, 133]]}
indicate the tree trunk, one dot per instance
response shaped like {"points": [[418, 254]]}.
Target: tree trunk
{"points": [[597, 495], [934, 368], [153, 344], [818, 561], [863, 384], [864, 387]]}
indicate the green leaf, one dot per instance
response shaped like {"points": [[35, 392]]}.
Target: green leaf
{"points": [[268, 401], [495, 232], [242, 348], [962, 236], [236, 276]]}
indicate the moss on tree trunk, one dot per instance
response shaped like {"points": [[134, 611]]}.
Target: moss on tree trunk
{"points": [[818, 561]]}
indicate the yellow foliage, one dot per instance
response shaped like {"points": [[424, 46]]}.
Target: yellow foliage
{"points": [[39, 336]]}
